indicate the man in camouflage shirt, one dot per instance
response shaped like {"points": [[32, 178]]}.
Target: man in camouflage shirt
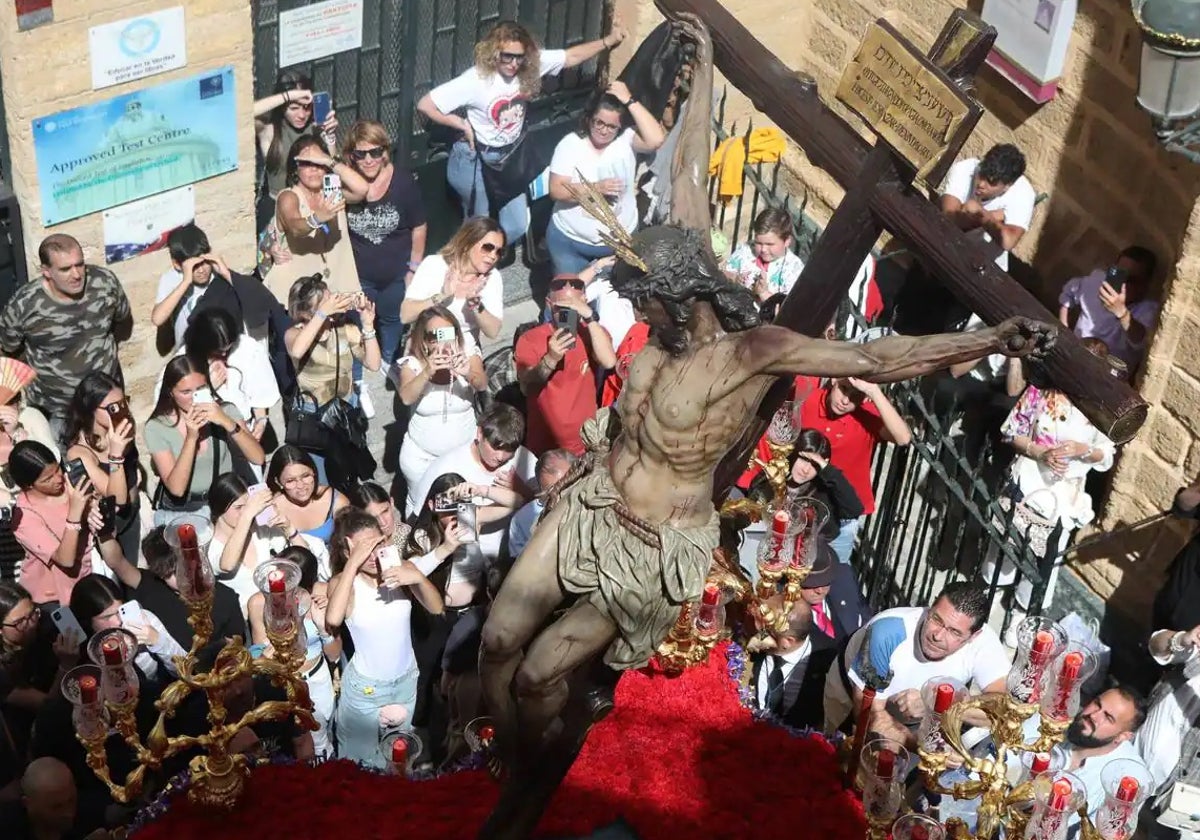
{"points": [[65, 324]]}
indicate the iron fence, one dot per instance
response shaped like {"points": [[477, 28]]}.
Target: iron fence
{"points": [[937, 515]]}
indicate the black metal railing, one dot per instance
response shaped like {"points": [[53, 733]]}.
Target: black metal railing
{"points": [[937, 515]]}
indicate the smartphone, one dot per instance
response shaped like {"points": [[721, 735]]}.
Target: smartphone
{"points": [[387, 556], [268, 513], [203, 396], [1116, 277], [67, 623], [131, 614], [108, 517], [443, 503], [76, 472], [322, 104], [567, 319], [444, 335], [331, 188], [466, 522], [118, 412]]}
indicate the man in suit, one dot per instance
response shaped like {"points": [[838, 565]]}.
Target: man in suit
{"points": [[789, 681], [832, 592]]}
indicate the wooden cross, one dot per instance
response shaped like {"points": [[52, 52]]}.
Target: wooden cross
{"points": [[879, 196]]}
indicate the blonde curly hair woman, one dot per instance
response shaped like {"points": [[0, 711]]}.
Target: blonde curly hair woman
{"points": [[508, 71]]}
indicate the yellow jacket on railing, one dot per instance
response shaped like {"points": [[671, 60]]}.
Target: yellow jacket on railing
{"points": [[764, 145]]}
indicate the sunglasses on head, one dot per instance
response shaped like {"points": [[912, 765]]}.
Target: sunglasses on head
{"points": [[375, 153], [509, 58], [558, 285]]}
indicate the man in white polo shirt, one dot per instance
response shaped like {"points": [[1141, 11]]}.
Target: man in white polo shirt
{"points": [[992, 195], [901, 648]]}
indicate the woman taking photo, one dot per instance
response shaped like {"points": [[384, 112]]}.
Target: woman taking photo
{"points": [[96, 602], [508, 71], [439, 379], [239, 369], [379, 686], [321, 647], [279, 121], [99, 431], [51, 516], [301, 499], [464, 279], [387, 228], [604, 153], [239, 542], [190, 438], [311, 225], [767, 265]]}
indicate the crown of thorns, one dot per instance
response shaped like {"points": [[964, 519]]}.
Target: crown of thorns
{"points": [[614, 236]]}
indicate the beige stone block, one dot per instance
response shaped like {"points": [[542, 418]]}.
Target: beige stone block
{"points": [[1181, 397], [1167, 437], [829, 47], [850, 16]]}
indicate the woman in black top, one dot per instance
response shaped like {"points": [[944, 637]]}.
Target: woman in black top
{"points": [[387, 228], [811, 474]]}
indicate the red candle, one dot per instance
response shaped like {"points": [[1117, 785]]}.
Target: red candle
{"points": [[190, 549], [919, 832], [712, 595], [1043, 643], [1041, 763], [780, 522], [885, 765], [1060, 795], [487, 733], [276, 581], [1127, 790], [399, 751], [1072, 665], [110, 649], [944, 698], [88, 689]]}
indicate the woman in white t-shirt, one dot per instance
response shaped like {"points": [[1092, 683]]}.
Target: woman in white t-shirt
{"points": [[463, 278], [508, 71], [438, 381], [604, 154]]}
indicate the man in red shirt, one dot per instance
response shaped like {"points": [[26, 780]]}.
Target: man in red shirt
{"points": [[854, 415], [557, 364]]}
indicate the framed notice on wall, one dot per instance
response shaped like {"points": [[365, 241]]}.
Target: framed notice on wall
{"points": [[1031, 42], [319, 30]]}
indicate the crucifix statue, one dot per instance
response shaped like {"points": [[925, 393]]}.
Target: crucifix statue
{"points": [[627, 538]]}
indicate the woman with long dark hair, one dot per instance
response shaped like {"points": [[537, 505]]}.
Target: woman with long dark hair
{"points": [[51, 516], [379, 686], [300, 497], [508, 72], [279, 121], [239, 368], [811, 474], [321, 649], [96, 602], [99, 431], [190, 436]]}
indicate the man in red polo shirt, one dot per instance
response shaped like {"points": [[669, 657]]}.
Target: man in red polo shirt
{"points": [[854, 415], [557, 365]]}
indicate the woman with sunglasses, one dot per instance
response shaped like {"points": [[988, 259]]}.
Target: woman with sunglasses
{"points": [[439, 379], [508, 72], [301, 497], [374, 603], [603, 152], [464, 279], [99, 431], [387, 227], [310, 221], [279, 121]]}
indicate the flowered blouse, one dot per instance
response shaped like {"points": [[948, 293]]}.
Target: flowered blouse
{"points": [[781, 274]]}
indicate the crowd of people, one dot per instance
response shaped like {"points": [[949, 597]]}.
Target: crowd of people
{"points": [[347, 287]]}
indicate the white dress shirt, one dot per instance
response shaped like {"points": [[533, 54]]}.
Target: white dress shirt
{"points": [[1160, 740], [792, 660]]}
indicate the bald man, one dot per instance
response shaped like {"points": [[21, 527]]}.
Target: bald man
{"points": [[48, 802]]}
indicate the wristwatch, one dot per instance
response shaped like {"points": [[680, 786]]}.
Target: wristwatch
{"points": [[593, 318], [630, 102]]}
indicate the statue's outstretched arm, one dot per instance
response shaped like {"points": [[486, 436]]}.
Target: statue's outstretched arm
{"points": [[779, 351]]}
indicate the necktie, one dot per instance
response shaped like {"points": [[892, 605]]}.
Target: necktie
{"points": [[823, 622], [775, 684]]}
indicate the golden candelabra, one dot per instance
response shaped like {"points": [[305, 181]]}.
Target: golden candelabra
{"points": [[105, 695], [1035, 798]]}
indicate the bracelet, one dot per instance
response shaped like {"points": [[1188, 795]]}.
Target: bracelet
{"points": [[116, 459], [295, 533], [287, 97], [311, 221], [631, 102], [116, 466], [73, 526], [320, 314], [236, 428], [368, 335], [413, 265]]}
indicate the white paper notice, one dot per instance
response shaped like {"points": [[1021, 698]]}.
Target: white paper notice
{"points": [[141, 227], [319, 30], [138, 47]]}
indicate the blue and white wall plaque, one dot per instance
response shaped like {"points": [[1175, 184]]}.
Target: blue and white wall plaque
{"points": [[137, 47]]}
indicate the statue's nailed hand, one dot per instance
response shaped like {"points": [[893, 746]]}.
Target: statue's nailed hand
{"points": [[1026, 338]]}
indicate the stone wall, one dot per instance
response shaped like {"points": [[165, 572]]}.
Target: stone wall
{"points": [[1108, 184], [47, 69]]}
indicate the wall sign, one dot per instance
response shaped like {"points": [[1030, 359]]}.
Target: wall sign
{"points": [[134, 145], [1031, 42], [319, 30], [31, 13], [134, 48], [142, 226]]}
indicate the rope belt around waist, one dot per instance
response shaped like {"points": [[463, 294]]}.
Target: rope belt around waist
{"points": [[634, 524]]}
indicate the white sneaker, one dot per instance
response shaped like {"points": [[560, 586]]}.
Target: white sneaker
{"points": [[364, 400]]}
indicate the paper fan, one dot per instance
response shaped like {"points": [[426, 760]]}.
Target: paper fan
{"points": [[14, 376]]}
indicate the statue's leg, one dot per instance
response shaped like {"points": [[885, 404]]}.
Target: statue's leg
{"points": [[529, 594]]}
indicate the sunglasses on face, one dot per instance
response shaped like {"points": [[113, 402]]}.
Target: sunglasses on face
{"points": [[511, 58], [488, 247], [559, 285], [374, 153]]}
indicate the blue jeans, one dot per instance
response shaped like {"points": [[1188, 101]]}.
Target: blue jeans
{"points": [[387, 300], [570, 256], [843, 544], [464, 171], [357, 717]]}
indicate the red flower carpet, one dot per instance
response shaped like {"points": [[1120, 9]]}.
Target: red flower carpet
{"points": [[678, 757]]}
